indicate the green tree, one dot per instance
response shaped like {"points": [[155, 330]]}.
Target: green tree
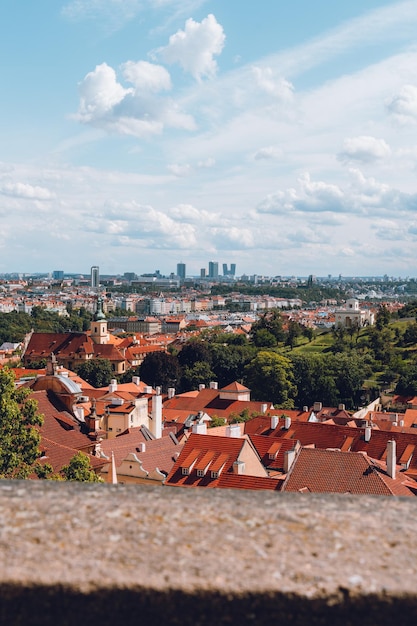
{"points": [[270, 377], [382, 317], [160, 369], [19, 439], [263, 338], [193, 351], [96, 372], [294, 331], [272, 322], [79, 469], [199, 373]]}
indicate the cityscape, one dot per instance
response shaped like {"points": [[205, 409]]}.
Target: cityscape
{"points": [[208, 312]]}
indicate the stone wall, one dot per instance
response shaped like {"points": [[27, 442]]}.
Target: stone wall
{"points": [[127, 554]]}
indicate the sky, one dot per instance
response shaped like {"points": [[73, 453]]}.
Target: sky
{"points": [[280, 136]]}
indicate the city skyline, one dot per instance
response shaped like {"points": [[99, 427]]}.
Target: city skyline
{"points": [[280, 136]]}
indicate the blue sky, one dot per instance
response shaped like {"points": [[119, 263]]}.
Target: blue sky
{"points": [[140, 133]]}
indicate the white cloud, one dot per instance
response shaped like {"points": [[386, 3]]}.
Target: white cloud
{"points": [[147, 76], [190, 214], [136, 111], [195, 47], [403, 106], [99, 93], [363, 196], [179, 169], [364, 148], [267, 153], [22, 190], [272, 85]]}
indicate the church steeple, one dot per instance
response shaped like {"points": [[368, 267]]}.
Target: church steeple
{"points": [[99, 333]]}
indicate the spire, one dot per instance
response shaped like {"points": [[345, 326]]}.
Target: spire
{"points": [[99, 315]]}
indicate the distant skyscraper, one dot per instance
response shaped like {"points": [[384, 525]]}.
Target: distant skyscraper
{"points": [[95, 277], [203, 272], [58, 274], [213, 269], [231, 272], [181, 271]]}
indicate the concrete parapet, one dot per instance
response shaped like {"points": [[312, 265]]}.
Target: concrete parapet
{"points": [[126, 554]]}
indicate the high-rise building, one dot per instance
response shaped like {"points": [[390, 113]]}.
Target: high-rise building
{"points": [[203, 272], [231, 272], [181, 271], [58, 274], [213, 269], [95, 277]]}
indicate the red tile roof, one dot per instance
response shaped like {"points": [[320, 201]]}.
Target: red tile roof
{"points": [[332, 471]]}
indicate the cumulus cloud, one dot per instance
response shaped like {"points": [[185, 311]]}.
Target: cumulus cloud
{"points": [[22, 190], [100, 92], [403, 106], [275, 86], [195, 47], [233, 238], [147, 76], [364, 148], [190, 214], [363, 196], [267, 153], [179, 169], [137, 110], [152, 228]]}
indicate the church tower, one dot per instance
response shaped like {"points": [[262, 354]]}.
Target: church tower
{"points": [[99, 333]]}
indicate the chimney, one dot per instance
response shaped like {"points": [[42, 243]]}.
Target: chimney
{"points": [[199, 429], [201, 386], [80, 413], [368, 433], [171, 392], [233, 430], [289, 458], [156, 426], [141, 447], [317, 407], [341, 407], [136, 380], [158, 391], [287, 422], [238, 467], [391, 458], [305, 409], [214, 385], [113, 385], [264, 408], [274, 421]]}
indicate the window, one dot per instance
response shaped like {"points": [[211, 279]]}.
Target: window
{"points": [[184, 471]]}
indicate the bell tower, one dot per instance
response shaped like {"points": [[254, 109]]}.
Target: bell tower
{"points": [[99, 333]]}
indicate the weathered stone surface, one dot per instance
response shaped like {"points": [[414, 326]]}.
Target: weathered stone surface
{"points": [[141, 555]]}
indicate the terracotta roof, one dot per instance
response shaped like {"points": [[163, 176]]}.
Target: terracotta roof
{"points": [[59, 426], [332, 471], [159, 453], [226, 451]]}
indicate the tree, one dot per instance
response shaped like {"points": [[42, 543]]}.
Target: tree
{"points": [[79, 469], [193, 351], [228, 362], [199, 373], [96, 372], [160, 369], [270, 377], [19, 439], [383, 317], [263, 338], [272, 322], [294, 331]]}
